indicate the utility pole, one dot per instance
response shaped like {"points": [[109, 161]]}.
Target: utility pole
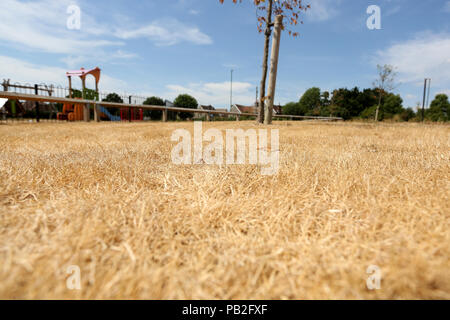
{"points": [[268, 109], [428, 96], [424, 98], [231, 90]]}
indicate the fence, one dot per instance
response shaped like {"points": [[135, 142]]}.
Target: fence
{"points": [[63, 92], [53, 95]]}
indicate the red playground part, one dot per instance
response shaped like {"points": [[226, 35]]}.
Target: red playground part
{"points": [[136, 114]]}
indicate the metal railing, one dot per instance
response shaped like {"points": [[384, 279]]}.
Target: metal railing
{"points": [[58, 95]]}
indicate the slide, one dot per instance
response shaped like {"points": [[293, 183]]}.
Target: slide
{"points": [[104, 112]]}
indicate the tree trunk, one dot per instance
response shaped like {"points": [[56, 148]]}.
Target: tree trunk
{"points": [[267, 34], [378, 107], [268, 111]]}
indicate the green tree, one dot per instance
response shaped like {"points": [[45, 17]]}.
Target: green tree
{"points": [[384, 83], [185, 101], [392, 106], [89, 94], [366, 99], [370, 113], [154, 114], [293, 109], [439, 109], [347, 102], [325, 99], [337, 111], [113, 97], [311, 101], [408, 114]]}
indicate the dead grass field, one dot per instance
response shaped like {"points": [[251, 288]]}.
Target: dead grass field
{"points": [[107, 198]]}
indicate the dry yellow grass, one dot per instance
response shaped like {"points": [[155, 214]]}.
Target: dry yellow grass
{"points": [[107, 198]]}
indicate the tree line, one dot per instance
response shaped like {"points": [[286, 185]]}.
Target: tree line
{"points": [[363, 104], [182, 101], [345, 103]]}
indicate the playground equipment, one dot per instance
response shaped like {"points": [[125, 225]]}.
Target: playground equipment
{"points": [[105, 114], [72, 112], [128, 114], [79, 112]]}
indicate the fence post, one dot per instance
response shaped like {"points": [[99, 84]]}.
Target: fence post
{"points": [[96, 115], [36, 92], [87, 111], [5, 85], [97, 98], [129, 109]]}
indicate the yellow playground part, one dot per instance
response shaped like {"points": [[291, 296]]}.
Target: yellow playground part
{"points": [[71, 112]]}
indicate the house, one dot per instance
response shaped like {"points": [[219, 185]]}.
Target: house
{"points": [[169, 104], [238, 108], [277, 110], [202, 107], [222, 115]]}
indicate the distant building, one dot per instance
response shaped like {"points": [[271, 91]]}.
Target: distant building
{"points": [[277, 109], [238, 108], [202, 107], [210, 108], [169, 104], [222, 115]]}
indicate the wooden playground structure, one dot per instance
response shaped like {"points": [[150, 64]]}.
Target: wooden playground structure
{"points": [[81, 112]]}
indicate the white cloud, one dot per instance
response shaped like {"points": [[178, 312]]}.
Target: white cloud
{"points": [[426, 56], [24, 72], [322, 10], [166, 32], [215, 93], [41, 25], [75, 61]]}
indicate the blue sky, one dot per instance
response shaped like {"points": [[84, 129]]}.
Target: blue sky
{"points": [[168, 47]]}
